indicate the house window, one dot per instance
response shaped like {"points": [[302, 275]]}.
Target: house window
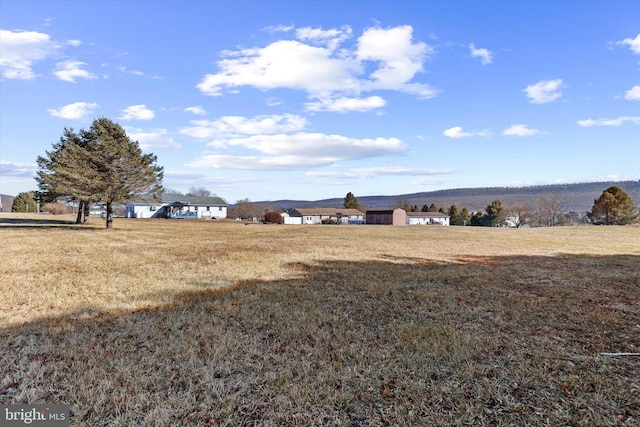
{"points": [[207, 208], [220, 208]]}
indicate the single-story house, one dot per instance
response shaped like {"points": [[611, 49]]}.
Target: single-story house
{"points": [[177, 206], [324, 215], [427, 218], [387, 216], [512, 221]]}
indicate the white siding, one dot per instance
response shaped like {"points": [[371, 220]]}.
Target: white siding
{"points": [[147, 211]]}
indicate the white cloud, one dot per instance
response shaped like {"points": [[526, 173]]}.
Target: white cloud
{"points": [[278, 28], [280, 144], [25, 170], [483, 54], [619, 121], [76, 110], [185, 180], [316, 64], [229, 126], [158, 138], [74, 43], [520, 130], [196, 109], [633, 94], [216, 161], [544, 91], [429, 181], [273, 102], [399, 59], [361, 173], [124, 69], [457, 132], [137, 112], [299, 151], [70, 70], [342, 105], [634, 44], [320, 145], [20, 49], [282, 64], [330, 38]]}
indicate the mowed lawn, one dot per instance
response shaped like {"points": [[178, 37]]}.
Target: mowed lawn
{"points": [[204, 323]]}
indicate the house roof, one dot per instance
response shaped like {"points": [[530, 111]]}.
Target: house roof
{"points": [[327, 211], [192, 200], [428, 214], [384, 211]]}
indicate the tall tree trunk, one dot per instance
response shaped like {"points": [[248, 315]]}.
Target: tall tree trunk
{"points": [[87, 210], [109, 215], [80, 212], [84, 208]]}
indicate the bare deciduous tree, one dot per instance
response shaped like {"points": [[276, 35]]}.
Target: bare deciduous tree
{"points": [[519, 214], [244, 209], [199, 192], [550, 209]]}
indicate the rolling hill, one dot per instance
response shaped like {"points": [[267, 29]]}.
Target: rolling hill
{"points": [[576, 197]]}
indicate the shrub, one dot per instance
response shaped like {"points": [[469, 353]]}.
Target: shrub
{"points": [[24, 202], [56, 208], [272, 217]]}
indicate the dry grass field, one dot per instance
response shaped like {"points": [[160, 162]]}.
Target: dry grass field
{"points": [[204, 323]]}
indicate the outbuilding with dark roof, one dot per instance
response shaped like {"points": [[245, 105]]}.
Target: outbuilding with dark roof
{"points": [[387, 216]]}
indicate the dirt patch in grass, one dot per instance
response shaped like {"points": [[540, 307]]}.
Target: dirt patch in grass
{"points": [[211, 323]]}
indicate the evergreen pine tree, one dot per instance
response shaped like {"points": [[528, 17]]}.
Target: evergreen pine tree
{"points": [[614, 206], [24, 202], [351, 202], [100, 165], [454, 216], [495, 214], [58, 173]]}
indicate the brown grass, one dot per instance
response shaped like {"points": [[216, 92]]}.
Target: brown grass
{"points": [[217, 323]]}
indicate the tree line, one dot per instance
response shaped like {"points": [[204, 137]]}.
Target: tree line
{"points": [[613, 207]]}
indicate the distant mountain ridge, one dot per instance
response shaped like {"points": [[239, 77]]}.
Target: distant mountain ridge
{"points": [[577, 197]]}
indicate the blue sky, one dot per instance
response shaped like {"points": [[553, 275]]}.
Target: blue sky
{"points": [[307, 100]]}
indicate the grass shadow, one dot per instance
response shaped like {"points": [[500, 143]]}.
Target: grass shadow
{"points": [[40, 223], [483, 341]]}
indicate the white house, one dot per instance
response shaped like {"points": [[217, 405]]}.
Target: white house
{"points": [[176, 206], [427, 218], [512, 220], [324, 215]]}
